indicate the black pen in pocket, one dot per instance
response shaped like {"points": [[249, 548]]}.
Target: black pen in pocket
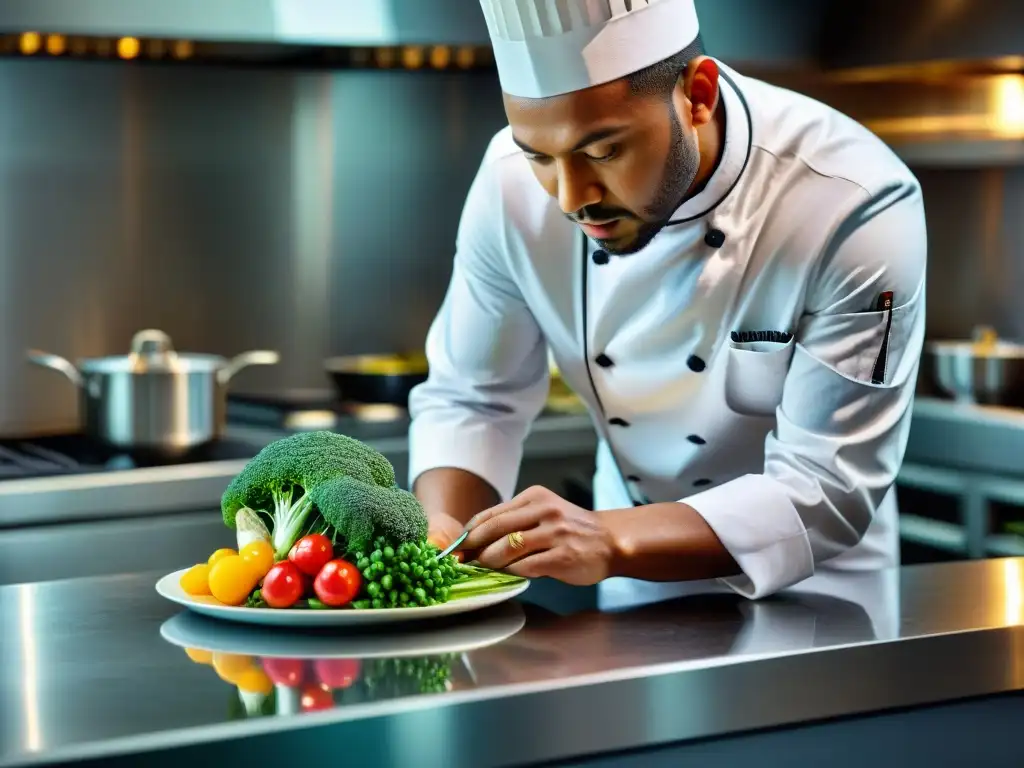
{"points": [[883, 304]]}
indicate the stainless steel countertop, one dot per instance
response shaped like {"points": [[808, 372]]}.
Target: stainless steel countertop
{"points": [[97, 668]]}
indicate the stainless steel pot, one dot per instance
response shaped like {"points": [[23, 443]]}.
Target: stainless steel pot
{"points": [[154, 398], [985, 371]]}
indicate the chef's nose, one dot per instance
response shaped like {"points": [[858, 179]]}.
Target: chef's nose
{"points": [[577, 188]]}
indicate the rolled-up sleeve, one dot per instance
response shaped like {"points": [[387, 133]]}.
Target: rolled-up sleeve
{"points": [[488, 376], [844, 417]]}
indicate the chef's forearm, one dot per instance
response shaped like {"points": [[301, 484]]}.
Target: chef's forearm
{"points": [[666, 542], [454, 492]]}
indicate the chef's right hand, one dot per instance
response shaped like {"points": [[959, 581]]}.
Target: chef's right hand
{"points": [[443, 530]]}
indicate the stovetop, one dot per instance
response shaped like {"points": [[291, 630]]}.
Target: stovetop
{"points": [[69, 454], [285, 413]]}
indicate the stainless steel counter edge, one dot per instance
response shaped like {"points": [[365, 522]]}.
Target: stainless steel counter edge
{"points": [[995, 434], [636, 708], [158, 490]]}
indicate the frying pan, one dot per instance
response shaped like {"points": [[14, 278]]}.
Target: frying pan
{"points": [[385, 379]]}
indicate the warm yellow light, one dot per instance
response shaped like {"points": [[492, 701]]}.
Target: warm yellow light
{"points": [[128, 47], [182, 49], [412, 57], [1013, 598], [56, 44], [30, 43], [1009, 104], [440, 56], [464, 57]]}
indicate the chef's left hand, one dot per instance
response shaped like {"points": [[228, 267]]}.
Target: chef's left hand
{"points": [[559, 539]]}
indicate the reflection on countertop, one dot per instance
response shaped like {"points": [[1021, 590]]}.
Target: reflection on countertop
{"points": [[103, 665]]}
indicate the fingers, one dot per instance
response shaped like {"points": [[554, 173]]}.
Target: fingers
{"points": [[549, 562], [500, 553], [516, 503], [501, 525]]}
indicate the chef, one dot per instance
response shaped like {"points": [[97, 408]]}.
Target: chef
{"points": [[729, 274]]}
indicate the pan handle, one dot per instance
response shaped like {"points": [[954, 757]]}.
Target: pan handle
{"points": [[56, 363], [238, 362]]}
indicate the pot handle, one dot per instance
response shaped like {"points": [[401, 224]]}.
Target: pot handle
{"points": [[238, 362], [56, 363], [152, 343]]}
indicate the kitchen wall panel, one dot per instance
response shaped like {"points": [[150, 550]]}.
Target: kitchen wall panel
{"points": [[309, 212], [976, 250]]}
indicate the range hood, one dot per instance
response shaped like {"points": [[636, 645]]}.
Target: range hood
{"points": [[733, 29], [894, 34], [833, 35], [285, 22]]}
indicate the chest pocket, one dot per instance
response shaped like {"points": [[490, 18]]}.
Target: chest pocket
{"points": [[756, 371]]}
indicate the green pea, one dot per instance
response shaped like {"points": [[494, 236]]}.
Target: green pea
{"points": [[429, 583], [363, 563], [373, 589], [421, 596], [404, 567], [389, 552], [393, 596], [378, 603], [368, 574], [386, 581]]}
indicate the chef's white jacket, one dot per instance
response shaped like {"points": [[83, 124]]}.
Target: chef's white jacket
{"points": [[746, 362]]}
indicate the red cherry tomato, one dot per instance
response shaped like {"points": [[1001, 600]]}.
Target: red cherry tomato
{"points": [[337, 673], [337, 583], [283, 585], [315, 697], [311, 553], [290, 672]]}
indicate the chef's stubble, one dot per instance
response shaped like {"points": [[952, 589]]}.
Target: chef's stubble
{"points": [[681, 168]]}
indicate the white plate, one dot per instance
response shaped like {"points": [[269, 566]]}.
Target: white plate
{"points": [[488, 627], [170, 588]]}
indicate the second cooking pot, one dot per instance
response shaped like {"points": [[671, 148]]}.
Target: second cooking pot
{"points": [[154, 398], [985, 371]]}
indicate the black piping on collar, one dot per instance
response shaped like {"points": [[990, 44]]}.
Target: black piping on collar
{"points": [[750, 146]]}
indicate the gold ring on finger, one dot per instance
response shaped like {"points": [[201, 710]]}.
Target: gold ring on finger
{"points": [[516, 541]]}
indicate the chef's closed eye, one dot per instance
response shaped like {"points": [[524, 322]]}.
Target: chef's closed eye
{"points": [[756, 370]]}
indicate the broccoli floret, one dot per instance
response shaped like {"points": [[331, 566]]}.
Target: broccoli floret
{"points": [[279, 480], [360, 512]]}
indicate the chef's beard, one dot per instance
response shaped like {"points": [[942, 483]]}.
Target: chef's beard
{"points": [[681, 168]]}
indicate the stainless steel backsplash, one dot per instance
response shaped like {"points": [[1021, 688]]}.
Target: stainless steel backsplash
{"points": [[309, 212]]}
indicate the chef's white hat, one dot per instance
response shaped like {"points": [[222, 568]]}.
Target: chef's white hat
{"points": [[550, 47]]}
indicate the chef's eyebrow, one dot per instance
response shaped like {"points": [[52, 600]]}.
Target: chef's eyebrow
{"points": [[601, 134]]}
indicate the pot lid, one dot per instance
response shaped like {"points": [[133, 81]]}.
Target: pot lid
{"points": [[985, 344], [153, 352]]}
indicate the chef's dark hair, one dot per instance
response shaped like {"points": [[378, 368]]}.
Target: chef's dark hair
{"points": [[659, 79]]}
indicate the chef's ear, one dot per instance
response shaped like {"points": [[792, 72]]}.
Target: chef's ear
{"points": [[701, 86]]}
